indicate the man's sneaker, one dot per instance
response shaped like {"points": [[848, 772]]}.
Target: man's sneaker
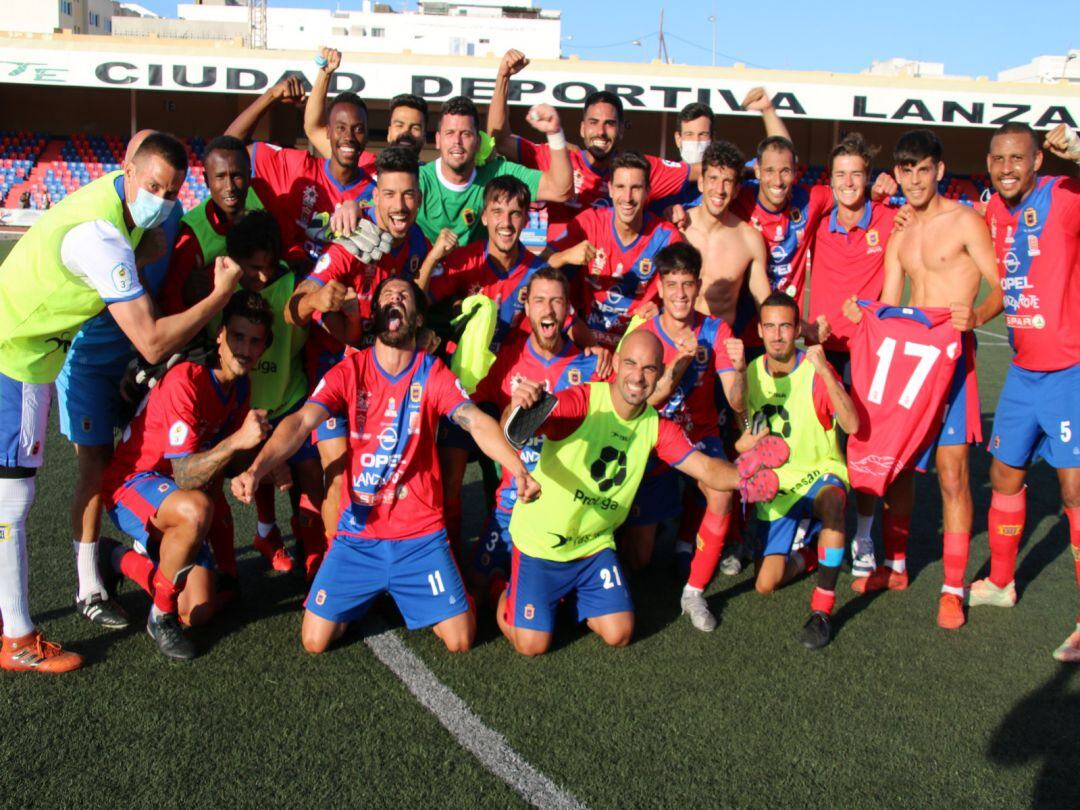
{"points": [[882, 578], [731, 563], [1069, 652], [863, 561], [693, 604], [985, 592], [32, 653], [769, 453], [817, 632], [950, 614], [272, 547], [170, 638], [103, 611], [760, 487]]}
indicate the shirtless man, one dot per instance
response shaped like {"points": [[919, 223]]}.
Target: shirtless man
{"points": [[729, 246], [946, 252]]}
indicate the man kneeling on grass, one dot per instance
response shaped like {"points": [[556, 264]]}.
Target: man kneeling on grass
{"points": [[391, 535], [597, 440], [163, 485]]}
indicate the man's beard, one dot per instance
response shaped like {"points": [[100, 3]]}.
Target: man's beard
{"points": [[394, 338]]}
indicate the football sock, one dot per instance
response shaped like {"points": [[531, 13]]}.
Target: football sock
{"points": [[86, 565], [138, 569], [823, 601], [954, 556], [829, 561], [167, 592], [895, 531], [308, 527], [863, 525], [1006, 524], [222, 539], [1074, 540], [264, 509], [710, 542], [16, 497]]}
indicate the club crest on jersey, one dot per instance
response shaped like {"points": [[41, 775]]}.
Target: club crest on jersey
{"points": [[163, 488], [872, 237], [320, 597], [322, 263], [646, 267], [469, 217], [415, 392], [1033, 245], [122, 278], [795, 214], [414, 264], [87, 424], [530, 612], [178, 433], [1031, 217], [573, 376], [701, 354]]}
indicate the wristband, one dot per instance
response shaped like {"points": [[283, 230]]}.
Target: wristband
{"points": [[557, 140], [320, 60]]}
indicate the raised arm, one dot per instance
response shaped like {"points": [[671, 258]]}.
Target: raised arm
{"points": [[289, 90], [489, 438], [199, 469], [286, 440], [156, 338], [315, 107], [758, 99], [734, 381], [846, 415], [557, 182], [498, 116], [311, 297]]}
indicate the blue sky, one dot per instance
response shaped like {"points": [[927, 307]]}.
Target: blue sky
{"points": [[972, 38]]}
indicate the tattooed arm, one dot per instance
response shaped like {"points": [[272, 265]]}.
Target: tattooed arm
{"points": [[489, 438], [198, 469]]}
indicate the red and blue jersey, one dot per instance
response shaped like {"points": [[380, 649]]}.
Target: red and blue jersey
{"points": [[620, 277], [786, 232], [519, 361], [293, 185], [848, 262], [394, 488], [187, 412], [903, 361], [692, 405], [666, 178], [469, 270], [1037, 243]]}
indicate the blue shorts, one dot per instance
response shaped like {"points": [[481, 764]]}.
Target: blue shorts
{"points": [[493, 546], [658, 497], [537, 585], [1038, 416], [420, 574], [135, 502], [778, 536], [24, 416], [954, 422], [89, 399]]}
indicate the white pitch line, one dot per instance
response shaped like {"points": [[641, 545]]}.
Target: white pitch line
{"points": [[488, 746], [1001, 339]]}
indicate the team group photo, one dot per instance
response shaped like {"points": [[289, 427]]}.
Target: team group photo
{"points": [[626, 423]]}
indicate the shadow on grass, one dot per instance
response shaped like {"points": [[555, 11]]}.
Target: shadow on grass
{"points": [[1043, 728]]}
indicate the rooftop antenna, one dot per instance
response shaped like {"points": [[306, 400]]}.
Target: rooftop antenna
{"points": [[256, 23]]}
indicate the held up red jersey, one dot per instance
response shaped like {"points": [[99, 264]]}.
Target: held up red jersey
{"points": [[621, 277], [187, 412], [394, 488], [293, 185], [1038, 256], [666, 178], [902, 363]]}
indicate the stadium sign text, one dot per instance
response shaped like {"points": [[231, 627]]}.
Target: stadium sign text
{"points": [[828, 99]]}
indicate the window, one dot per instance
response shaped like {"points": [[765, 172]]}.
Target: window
{"points": [[65, 7], [378, 32]]}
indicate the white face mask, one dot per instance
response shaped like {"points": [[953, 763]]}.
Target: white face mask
{"points": [[693, 151]]}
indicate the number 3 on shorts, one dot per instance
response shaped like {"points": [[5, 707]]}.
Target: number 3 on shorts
{"points": [[611, 578], [1066, 431]]}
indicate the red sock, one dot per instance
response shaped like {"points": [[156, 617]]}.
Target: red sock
{"points": [[809, 558], [222, 537], [1074, 540], [166, 594], [138, 569], [823, 601], [264, 504], [693, 512], [710, 542], [955, 557], [1006, 524], [308, 527], [895, 530]]}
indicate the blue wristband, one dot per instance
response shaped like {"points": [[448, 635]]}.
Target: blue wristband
{"points": [[320, 60]]}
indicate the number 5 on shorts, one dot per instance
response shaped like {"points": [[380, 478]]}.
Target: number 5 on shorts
{"points": [[1066, 431]]}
